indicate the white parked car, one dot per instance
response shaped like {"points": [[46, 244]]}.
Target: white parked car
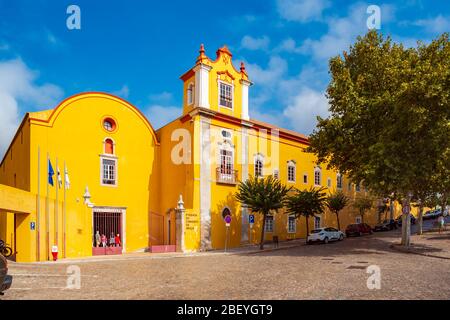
{"points": [[325, 235]]}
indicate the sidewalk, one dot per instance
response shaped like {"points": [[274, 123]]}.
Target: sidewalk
{"points": [[244, 249], [430, 244]]}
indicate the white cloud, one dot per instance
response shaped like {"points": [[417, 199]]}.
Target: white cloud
{"points": [[304, 108], [276, 68], [342, 32], [123, 92], [17, 85], [161, 98], [289, 45], [159, 115], [302, 10], [437, 24], [251, 43]]}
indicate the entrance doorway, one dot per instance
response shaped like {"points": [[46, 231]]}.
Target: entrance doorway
{"points": [[107, 232]]}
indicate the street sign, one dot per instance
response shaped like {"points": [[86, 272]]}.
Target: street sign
{"points": [[32, 226], [251, 219], [406, 209]]}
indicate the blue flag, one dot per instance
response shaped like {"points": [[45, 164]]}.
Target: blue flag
{"points": [[51, 173]]}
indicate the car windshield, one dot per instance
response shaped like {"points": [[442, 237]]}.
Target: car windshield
{"points": [[316, 230]]}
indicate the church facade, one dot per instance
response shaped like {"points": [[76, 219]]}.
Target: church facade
{"points": [[93, 177]]}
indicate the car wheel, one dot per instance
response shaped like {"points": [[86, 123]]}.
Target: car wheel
{"points": [[341, 237], [325, 240], [360, 233]]}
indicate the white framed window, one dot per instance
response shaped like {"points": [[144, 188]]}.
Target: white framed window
{"points": [[259, 165], [317, 223], [276, 174], [226, 162], [317, 176], [339, 181], [225, 95], [358, 219], [305, 178], [108, 171], [291, 171], [292, 224], [269, 224], [190, 94], [329, 182], [358, 187]]}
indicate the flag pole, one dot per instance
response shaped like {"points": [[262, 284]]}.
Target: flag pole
{"points": [[64, 212], [38, 206], [47, 209], [57, 203]]}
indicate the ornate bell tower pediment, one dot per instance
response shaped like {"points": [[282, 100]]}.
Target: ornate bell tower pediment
{"points": [[217, 85]]}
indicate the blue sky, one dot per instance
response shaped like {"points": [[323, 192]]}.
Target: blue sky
{"points": [[138, 50]]}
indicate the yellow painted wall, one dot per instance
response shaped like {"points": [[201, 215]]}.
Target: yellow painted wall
{"points": [[149, 182]]}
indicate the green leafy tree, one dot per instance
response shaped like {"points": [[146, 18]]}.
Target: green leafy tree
{"points": [[262, 196], [306, 203], [363, 204], [389, 117], [336, 202]]}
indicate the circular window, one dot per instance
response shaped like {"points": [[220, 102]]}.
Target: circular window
{"points": [[109, 124]]}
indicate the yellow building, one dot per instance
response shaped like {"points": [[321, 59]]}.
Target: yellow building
{"points": [[113, 173]]}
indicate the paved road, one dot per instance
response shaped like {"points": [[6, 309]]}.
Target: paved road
{"points": [[333, 271]]}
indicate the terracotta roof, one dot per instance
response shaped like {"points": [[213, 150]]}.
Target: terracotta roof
{"points": [[271, 126]]}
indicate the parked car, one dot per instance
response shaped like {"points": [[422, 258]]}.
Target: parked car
{"points": [[386, 225], [325, 235], [358, 229], [5, 279], [399, 220]]}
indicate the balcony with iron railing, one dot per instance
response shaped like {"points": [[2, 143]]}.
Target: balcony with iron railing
{"points": [[226, 176]]}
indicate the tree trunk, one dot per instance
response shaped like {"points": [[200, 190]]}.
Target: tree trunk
{"points": [[362, 216], [420, 220], [337, 218], [261, 243], [391, 209], [406, 228], [307, 228]]}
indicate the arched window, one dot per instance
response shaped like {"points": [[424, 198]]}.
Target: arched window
{"points": [[190, 94], [317, 176], [109, 146], [339, 181], [291, 171]]}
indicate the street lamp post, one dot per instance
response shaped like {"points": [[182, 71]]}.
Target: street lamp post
{"points": [[180, 224]]}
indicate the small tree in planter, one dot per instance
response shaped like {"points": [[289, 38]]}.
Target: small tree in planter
{"points": [[306, 203], [363, 204], [262, 195], [336, 202]]}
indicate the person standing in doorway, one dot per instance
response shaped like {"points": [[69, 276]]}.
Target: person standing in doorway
{"points": [[103, 238], [97, 239], [117, 240], [112, 240], [441, 223]]}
